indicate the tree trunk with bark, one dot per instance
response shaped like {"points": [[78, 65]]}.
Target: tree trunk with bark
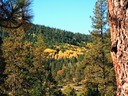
{"points": [[118, 21]]}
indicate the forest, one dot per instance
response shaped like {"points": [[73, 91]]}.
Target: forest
{"points": [[37, 60]]}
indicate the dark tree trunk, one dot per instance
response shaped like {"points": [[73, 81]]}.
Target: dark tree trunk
{"points": [[118, 21]]}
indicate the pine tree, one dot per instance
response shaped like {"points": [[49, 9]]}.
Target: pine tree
{"points": [[118, 21], [97, 56], [2, 68], [38, 70], [13, 52], [26, 74], [14, 13]]}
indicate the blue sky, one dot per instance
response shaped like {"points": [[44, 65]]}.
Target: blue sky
{"points": [[70, 15]]}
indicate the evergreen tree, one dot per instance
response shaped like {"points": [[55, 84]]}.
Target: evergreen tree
{"points": [[14, 13], [2, 68], [42, 70], [13, 50], [118, 21], [26, 71], [97, 57]]}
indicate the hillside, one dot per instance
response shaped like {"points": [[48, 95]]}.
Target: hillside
{"points": [[54, 36], [37, 60], [65, 51], [69, 59], [60, 44]]}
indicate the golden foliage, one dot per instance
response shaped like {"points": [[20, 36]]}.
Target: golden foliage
{"points": [[65, 51], [60, 72]]}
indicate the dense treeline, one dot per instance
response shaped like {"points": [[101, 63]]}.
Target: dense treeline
{"points": [[56, 36]]}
